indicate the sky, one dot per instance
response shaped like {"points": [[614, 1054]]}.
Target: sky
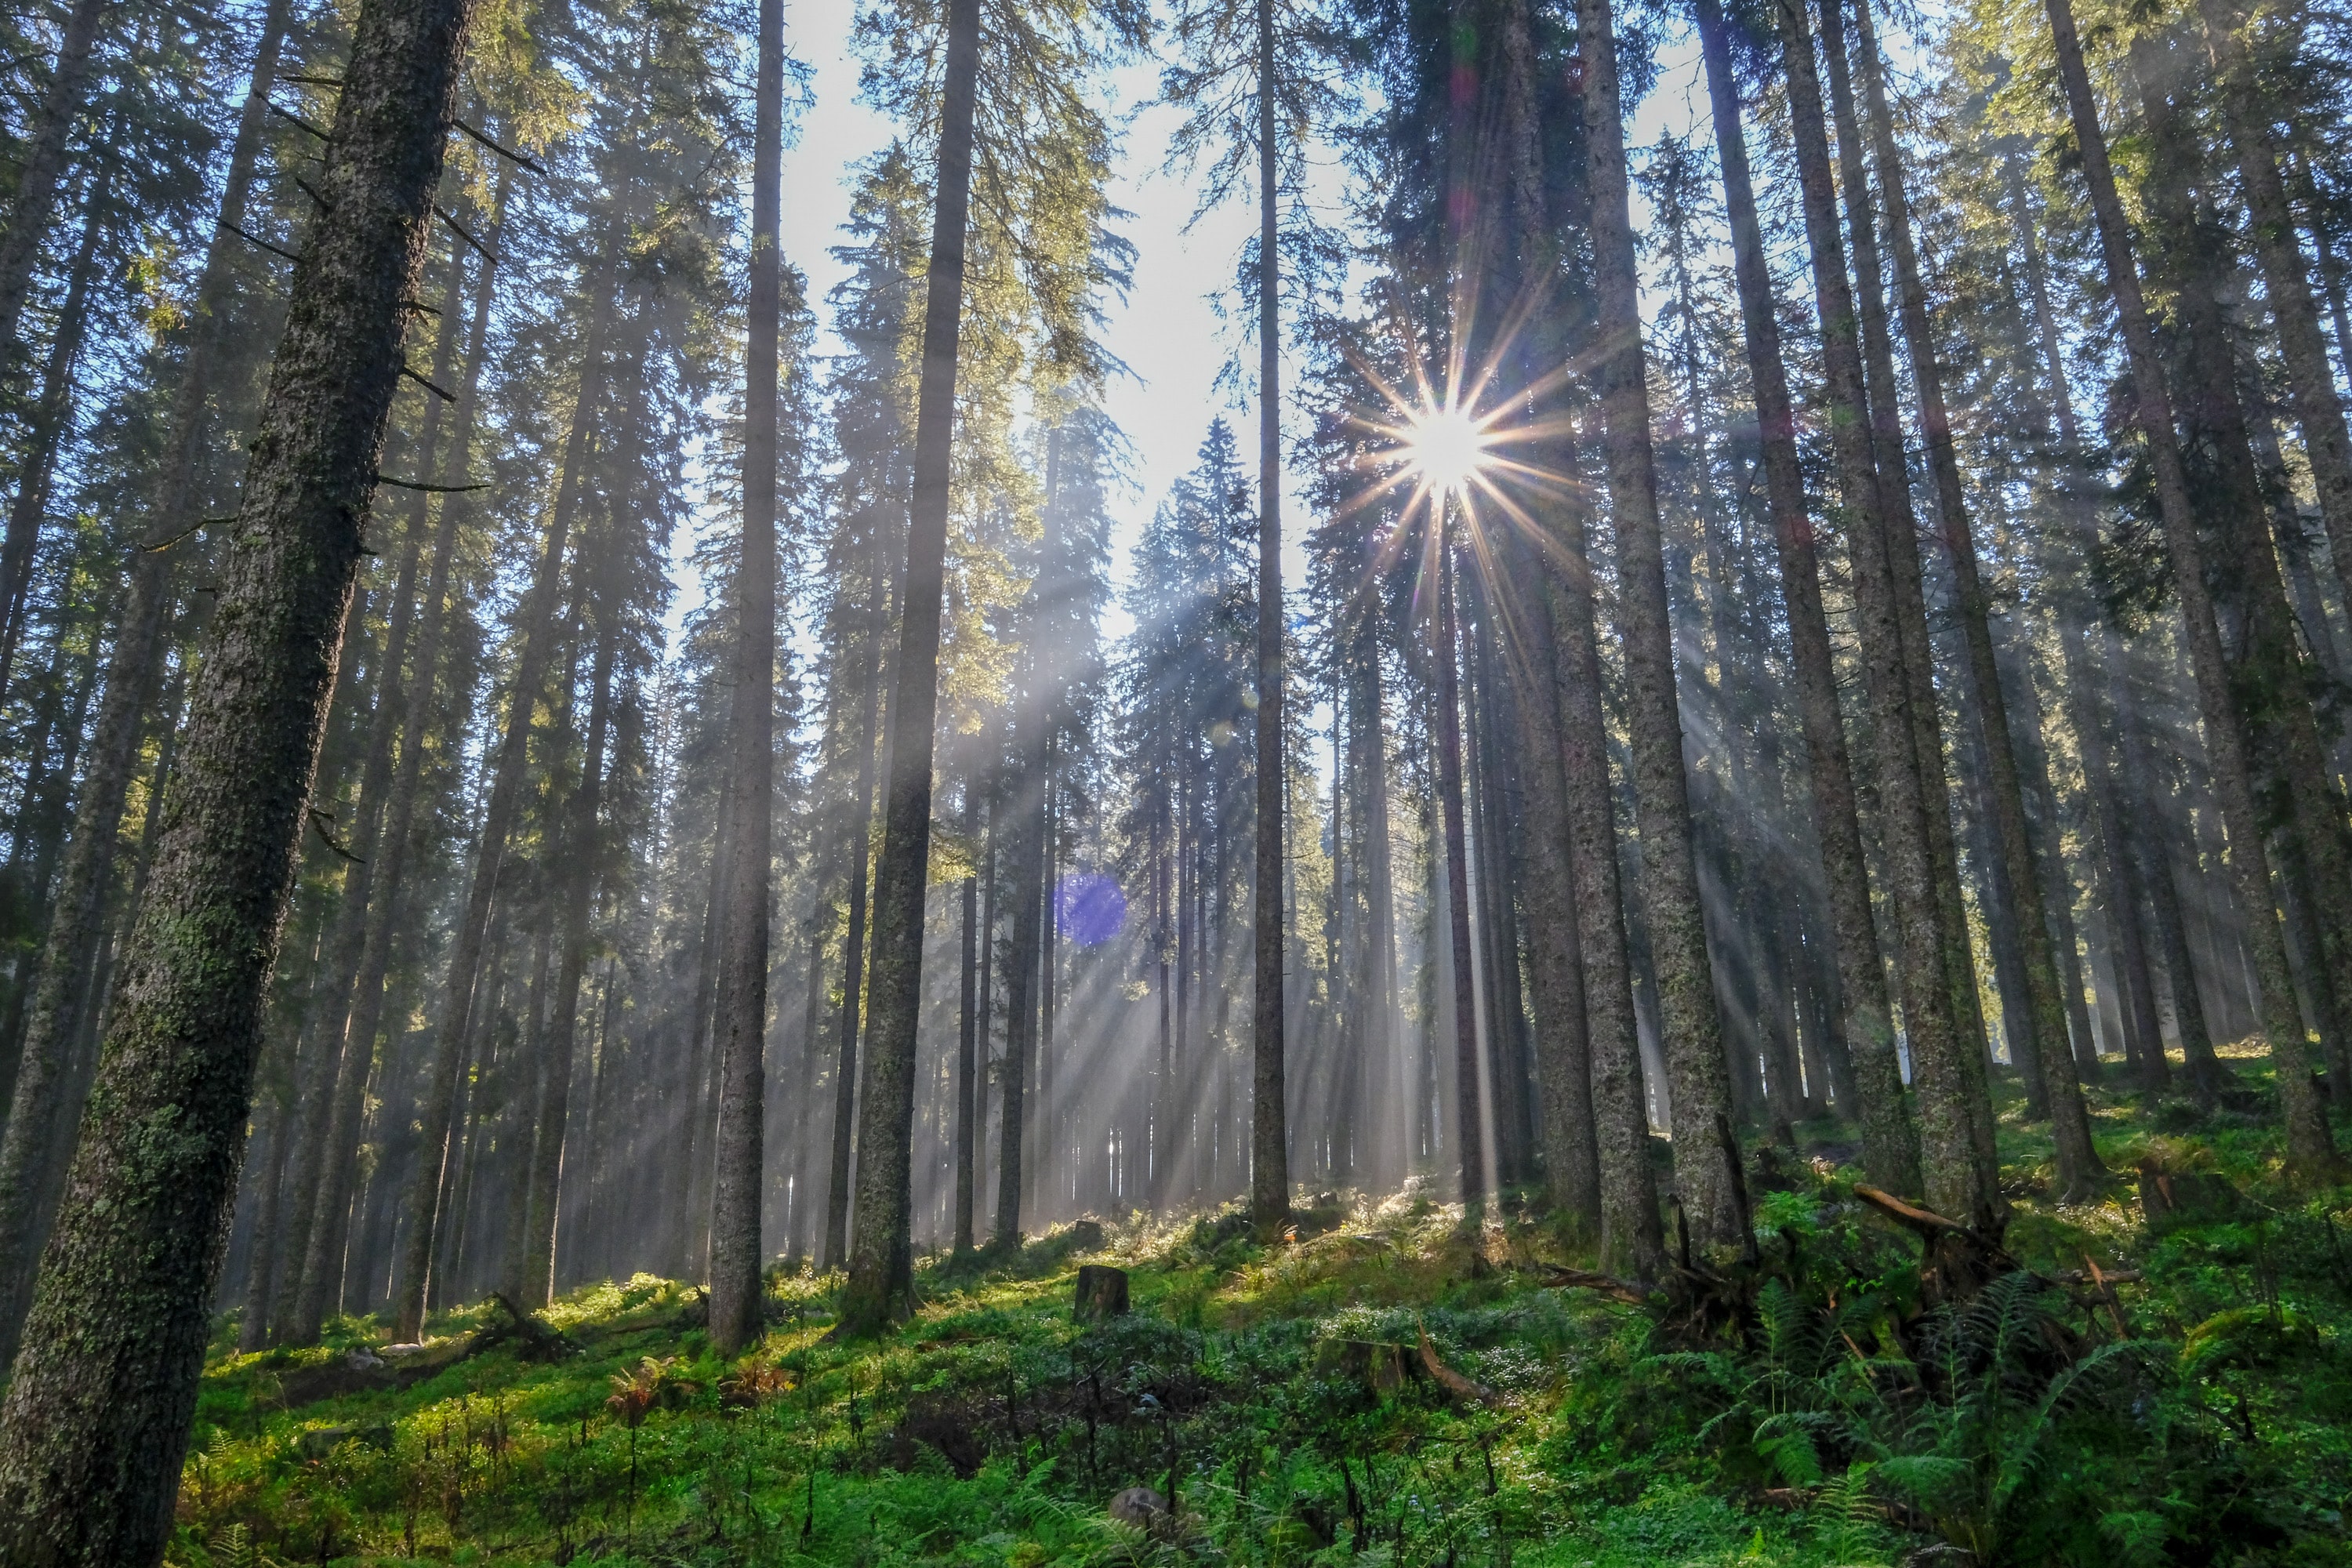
{"points": [[1167, 330]]}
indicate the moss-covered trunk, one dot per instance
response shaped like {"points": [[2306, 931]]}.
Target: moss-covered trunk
{"points": [[96, 1418]]}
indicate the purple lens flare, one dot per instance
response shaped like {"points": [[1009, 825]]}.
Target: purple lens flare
{"points": [[1089, 909]]}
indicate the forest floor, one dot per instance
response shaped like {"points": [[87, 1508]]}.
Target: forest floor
{"points": [[1384, 1391]]}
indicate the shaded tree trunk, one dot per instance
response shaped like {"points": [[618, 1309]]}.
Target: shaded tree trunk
{"points": [[536, 628], [735, 1253], [881, 1263], [1269, 1136], [1693, 1038], [575, 895], [327, 1169], [1470, 1148], [97, 1414]]}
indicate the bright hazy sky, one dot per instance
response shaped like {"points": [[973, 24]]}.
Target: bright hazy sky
{"points": [[1167, 330]]}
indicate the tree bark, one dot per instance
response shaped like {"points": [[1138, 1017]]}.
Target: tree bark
{"points": [[1692, 1038], [967, 1125], [735, 1251], [1269, 1136], [96, 1412], [1470, 1147], [1024, 846], [1890, 1142], [2311, 1147], [881, 1262], [1632, 1241], [854, 938]]}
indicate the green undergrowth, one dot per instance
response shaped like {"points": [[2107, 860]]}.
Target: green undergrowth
{"points": [[2198, 1413]]}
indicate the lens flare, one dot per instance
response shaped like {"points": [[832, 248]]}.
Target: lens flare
{"points": [[1446, 448]]}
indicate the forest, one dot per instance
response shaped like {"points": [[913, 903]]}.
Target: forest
{"points": [[1664, 875]]}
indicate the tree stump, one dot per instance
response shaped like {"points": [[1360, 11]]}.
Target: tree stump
{"points": [[1382, 1368], [1102, 1292]]}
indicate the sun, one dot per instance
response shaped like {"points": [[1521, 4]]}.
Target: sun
{"points": [[1445, 449]]}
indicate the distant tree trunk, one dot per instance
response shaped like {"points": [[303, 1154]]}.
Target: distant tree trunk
{"points": [[535, 636], [41, 164], [1890, 1142], [2060, 1088], [1026, 849], [854, 938], [1954, 1179], [881, 1263], [1693, 1038], [2311, 1147], [346, 946], [574, 886], [261, 1271], [2287, 283], [735, 1252], [1269, 1134], [96, 1412], [967, 1127], [1469, 1141], [1556, 971], [325, 1167], [51, 417]]}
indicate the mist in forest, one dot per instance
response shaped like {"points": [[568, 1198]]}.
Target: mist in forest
{"points": [[538, 745]]}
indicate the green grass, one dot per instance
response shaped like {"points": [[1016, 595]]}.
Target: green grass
{"points": [[993, 1429]]}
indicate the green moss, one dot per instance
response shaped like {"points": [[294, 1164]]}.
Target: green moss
{"points": [[992, 1429]]}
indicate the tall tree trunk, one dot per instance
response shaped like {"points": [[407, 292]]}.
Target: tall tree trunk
{"points": [[735, 1252], [1632, 1241], [1469, 1143], [1025, 847], [967, 1127], [1953, 1177], [61, 983], [1890, 1142], [1693, 1038], [881, 1261], [1901, 537], [1269, 1134], [96, 1417], [1556, 971], [2311, 1147], [41, 165], [2080, 1173], [854, 938], [535, 636]]}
